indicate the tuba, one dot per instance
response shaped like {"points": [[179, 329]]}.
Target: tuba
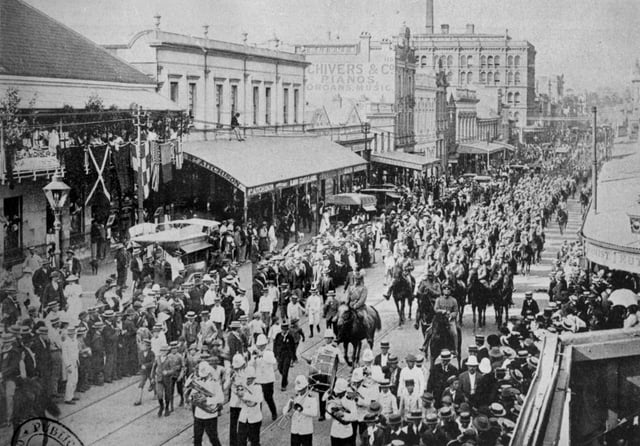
{"points": [[199, 395]]}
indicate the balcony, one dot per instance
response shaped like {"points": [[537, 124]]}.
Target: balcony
{"points": [[29, 162]]}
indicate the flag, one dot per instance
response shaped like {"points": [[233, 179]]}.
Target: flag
{"points": [[145, 158]]}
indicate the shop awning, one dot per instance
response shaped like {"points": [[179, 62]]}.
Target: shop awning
{"points": [[608, 234], [415, 161], [352, 199], [54, 95], [481, 148], [263, 164]]}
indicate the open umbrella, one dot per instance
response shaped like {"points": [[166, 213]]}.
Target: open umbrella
{"points": [[624, 297]]}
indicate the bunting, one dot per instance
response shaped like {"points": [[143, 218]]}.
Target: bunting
{"points": [[100, 171], [145, 159]]}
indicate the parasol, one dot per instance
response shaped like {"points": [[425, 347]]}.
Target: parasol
{"points": [[624, 297]]}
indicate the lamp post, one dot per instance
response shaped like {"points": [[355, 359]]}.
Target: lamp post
{"points": [[57, 192]]}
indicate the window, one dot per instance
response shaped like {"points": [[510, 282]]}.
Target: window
{"points": [[490, 62], [510, 78], [516, 98], [510, 61], [463, 61], [517, 78], [256, 103], [267, 105], [490, 78], [496, 61], [296, 102], [469, 77], [516, 116], [173, 91], [496, 77], [234, 99], [483, 62], [483, 77], [443, 62], [510, 98], [219, 103], [192, 99], [517, 61], [450, 77], [423, 62], [469, 61], [285, 106], [449, 61]]}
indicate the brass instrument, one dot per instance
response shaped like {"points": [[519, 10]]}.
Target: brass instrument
{"points": [[199, 394], [293, 404], [338, 408]]}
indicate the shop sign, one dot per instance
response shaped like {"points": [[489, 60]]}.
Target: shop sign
{"points": [[328, 175], [613, 258], [346, 170], [214, 169], [360, 168], [282, 185], [260, 189]]}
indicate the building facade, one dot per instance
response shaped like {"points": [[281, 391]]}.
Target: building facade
{"points": [[482, 61], [378, 74], [213, 80]]}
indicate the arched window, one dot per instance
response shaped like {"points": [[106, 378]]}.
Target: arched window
{"points": [[423, 62], [469, 61], [517, 78], [450, 77], [450, 61], [510, 78], [490, 78], [443, 62], [490, 62], [510, 61], [469, 77], [517, 61], [516, 98], [516, 116], [496, 61], [463, 61], [496, 77], [483, 77], [483, 62], [510, 99]]}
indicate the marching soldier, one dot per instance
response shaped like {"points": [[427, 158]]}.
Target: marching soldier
{"points": [[250, 417], [205, 416]]}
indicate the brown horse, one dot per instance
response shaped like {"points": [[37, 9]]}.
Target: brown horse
{"points": [[438, 337], [353, 326]]}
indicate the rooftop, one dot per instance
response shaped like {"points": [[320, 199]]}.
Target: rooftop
{"points": [[35, 45]]}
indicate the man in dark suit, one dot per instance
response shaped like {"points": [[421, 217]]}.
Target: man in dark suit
{"points": [[373, 430], [41, 347], [382, 358], [40, 277], [234, 339], [325, 284], [284, 348], [483, 350], [439, 374], [415, 428], [392, 373], [433, 435], [72, 263], [53, 292], [529, 306], [196, 295]]}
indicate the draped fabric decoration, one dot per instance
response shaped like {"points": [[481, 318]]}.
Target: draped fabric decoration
{"points": [[99, 156], [166, 150], [178, 155], [155, 170], [146, 161], [122, 164]]}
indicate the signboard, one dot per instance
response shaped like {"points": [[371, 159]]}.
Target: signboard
{"points": [[210, 167], [260, 189], [613, 258]]}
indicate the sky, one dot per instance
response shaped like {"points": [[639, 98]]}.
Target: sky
{"points": [[594, 43]]}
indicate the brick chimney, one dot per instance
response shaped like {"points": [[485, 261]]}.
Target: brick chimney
{"points": [[429, 28]]}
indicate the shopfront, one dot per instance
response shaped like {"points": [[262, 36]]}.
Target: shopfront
{"points": [[403, 169]]}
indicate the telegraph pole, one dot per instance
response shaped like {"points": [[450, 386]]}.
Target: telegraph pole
{"points": [[595, 160], [140, 156]]}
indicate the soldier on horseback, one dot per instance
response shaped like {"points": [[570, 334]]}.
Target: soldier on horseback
{"points": [[447, 304], [357, 294]]}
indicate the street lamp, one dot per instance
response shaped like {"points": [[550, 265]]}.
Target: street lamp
{"points": [[57, 192]]}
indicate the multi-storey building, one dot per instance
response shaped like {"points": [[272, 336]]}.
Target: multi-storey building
{"points": [[212, 79], [481, 61]]}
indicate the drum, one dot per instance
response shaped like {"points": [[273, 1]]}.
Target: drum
{"points": [[322, 372]]}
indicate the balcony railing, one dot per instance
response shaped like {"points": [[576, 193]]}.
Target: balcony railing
{"points": [[28, 162]]}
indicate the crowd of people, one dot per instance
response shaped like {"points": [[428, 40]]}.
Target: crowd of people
{"points": [[206, 344]]}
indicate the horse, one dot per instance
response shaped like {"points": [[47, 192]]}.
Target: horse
{"points": [[477, 294], [502, 291], [402, 290], [439, 337], [353, 326]]}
